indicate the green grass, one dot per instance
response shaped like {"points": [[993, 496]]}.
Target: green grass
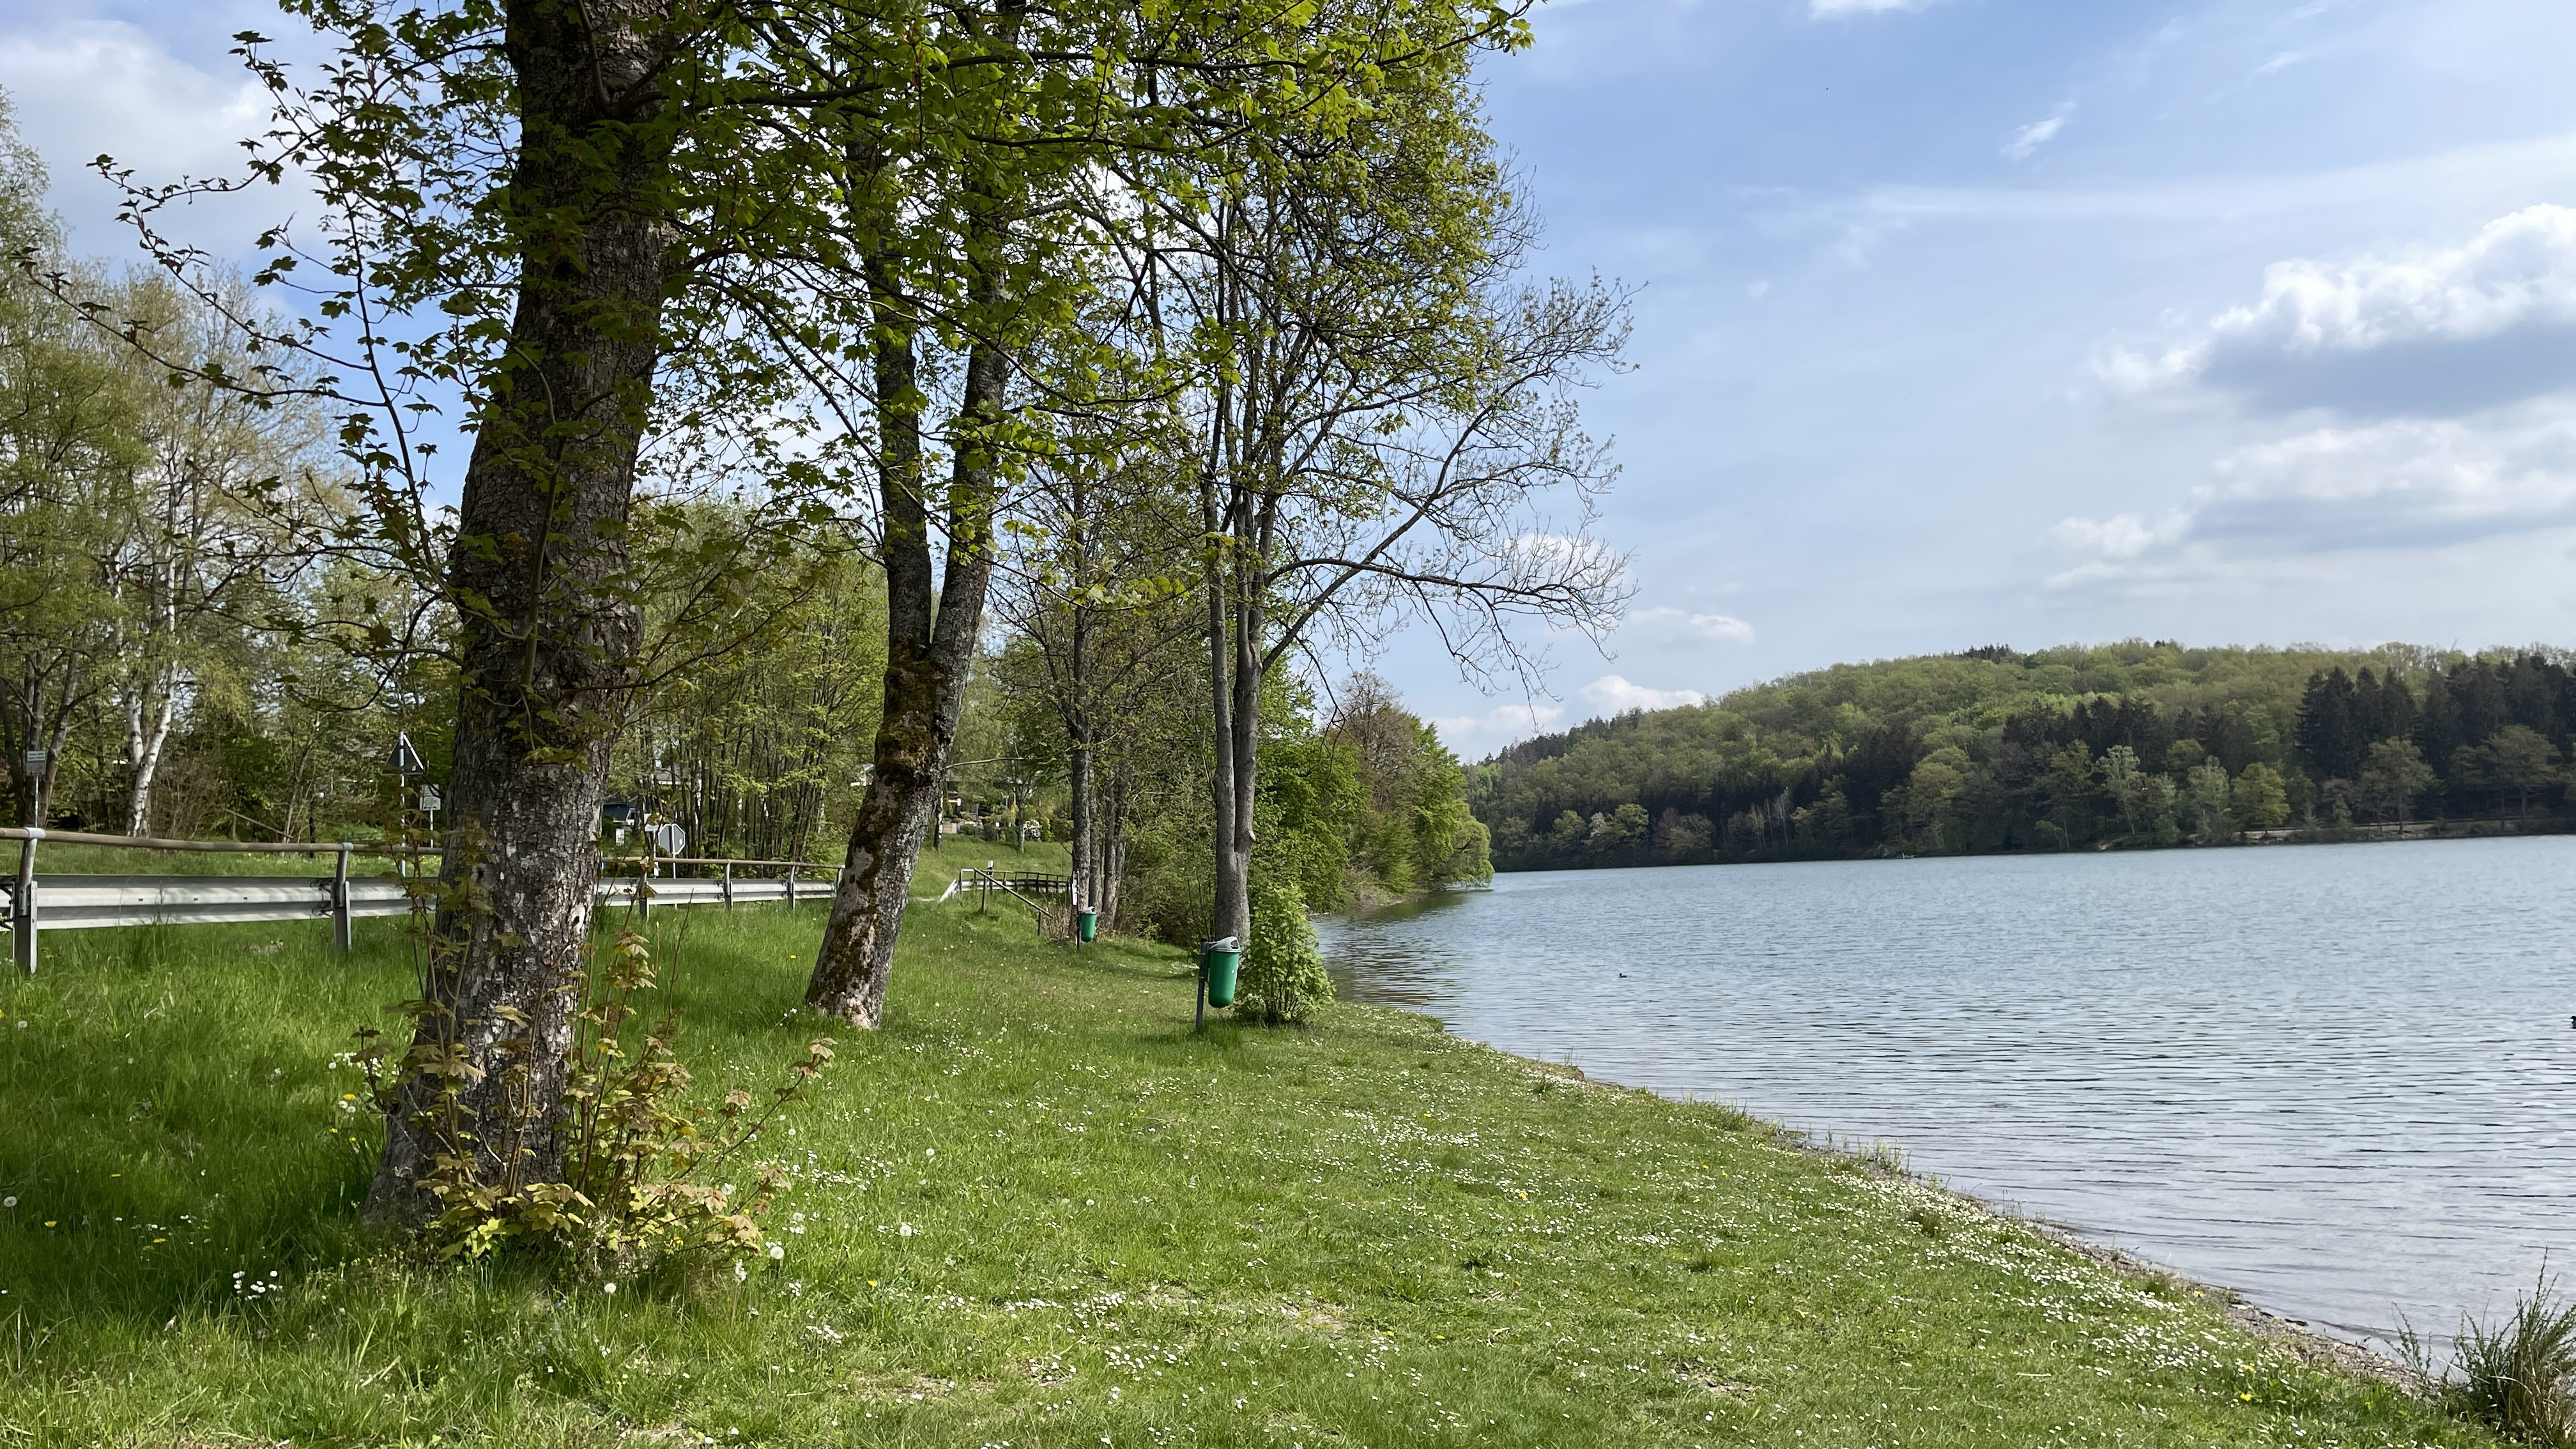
{"points": [[1037, 1210]]}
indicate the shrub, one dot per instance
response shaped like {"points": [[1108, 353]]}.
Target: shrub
{"points": [[1282, 976], [637, 1186], [2521, 1375]]}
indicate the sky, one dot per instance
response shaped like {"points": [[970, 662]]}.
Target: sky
{"points": [[1958, 322]]}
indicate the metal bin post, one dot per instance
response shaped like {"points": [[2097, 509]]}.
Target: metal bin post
{"points": [[22, 905], [340, 902]]}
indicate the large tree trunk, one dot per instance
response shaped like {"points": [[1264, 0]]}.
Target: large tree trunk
{"points": [[1231, 830], [1113, 843], [928, 659], [546, 642], [1077, 714], [1243, 753], [143, 747]]}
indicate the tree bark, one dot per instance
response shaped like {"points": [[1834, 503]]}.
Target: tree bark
{"points": [[1077, 712], [144, 750], [546, 641], [928, 656]]}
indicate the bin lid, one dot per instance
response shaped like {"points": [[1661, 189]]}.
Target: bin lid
{"points": [[1226, 943]]}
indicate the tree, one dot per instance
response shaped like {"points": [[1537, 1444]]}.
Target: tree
{"points": [[521, 202], [1378, 414], [1031, 142], [2516, 761], [2207, 793], [206, 525], [2258, 799], [68, 437], [2391, 779], [1935, 782], [2329, 736], [1415, 830]]}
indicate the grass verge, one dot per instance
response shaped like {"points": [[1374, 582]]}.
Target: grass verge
{"points": [[1037, 1210]]}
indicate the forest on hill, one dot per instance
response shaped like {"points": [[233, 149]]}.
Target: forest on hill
{"points": [[1991, 749]]}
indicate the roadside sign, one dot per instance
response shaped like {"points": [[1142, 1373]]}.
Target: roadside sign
{"points": [[405, 760], [669, 838], [429, 798]]}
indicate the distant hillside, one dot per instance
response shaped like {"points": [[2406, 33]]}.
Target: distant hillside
{"points": [[1993, 750]]}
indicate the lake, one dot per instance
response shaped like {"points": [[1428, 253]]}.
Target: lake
{"points": [[2339, 1079]]}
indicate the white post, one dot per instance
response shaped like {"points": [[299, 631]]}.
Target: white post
{"points": [[22, 911], [728, 885], [791, 887], [340, 935]]}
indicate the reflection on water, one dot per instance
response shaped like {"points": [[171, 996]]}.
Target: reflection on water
{"points": [[2338, 1078]]}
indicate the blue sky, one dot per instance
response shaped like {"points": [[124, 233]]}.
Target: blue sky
{"points": [[1962, 321]]}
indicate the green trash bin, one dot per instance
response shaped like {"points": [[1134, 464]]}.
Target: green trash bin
{"points": [[1217, 963], [1086, 924]]}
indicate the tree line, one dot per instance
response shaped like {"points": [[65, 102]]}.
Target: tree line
{"points": [[834, 383], [2131, 744]]}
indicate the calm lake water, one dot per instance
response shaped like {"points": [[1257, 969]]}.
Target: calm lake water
{"points": [[2340, 1079]]}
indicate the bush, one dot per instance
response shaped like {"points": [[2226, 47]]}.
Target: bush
{"points": [[2521, 1375], [640, 1167], [1282, 976]]}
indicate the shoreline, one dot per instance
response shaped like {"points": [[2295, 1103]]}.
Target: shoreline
{"points": [[2408, 833], [2316, 1347]]}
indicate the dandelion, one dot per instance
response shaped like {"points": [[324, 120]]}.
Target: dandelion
{"points": [[8, 1202], [740, 1273], [777, 1251], [608, 1288]]}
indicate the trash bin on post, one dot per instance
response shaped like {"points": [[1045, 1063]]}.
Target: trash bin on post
{"points": [[1086, 924], [1218, 961]]}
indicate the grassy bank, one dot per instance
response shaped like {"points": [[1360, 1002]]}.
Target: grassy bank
{"points": [[1037, 1210]]}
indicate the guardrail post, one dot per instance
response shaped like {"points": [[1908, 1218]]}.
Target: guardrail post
{"points": [[728, 885], [791, 887], [340, 902], [22, 910], [652, 869]]}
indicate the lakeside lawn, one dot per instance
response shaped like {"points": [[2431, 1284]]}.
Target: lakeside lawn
{"points": [[1037, 1210]]}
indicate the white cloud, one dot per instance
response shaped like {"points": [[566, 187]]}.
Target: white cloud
{"points": [[1611, 694], [2440, 470], [87, 87], [2282, 61], [1681, 624], [2518, 272], [2038, 133], [1822, 9], [1498, 726], [2420, 399], [2123, 535], [2407, 483]]}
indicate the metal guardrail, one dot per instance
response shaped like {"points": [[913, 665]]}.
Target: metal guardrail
{"points": [[40, 903], [1045, 895], [75, 902]]}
